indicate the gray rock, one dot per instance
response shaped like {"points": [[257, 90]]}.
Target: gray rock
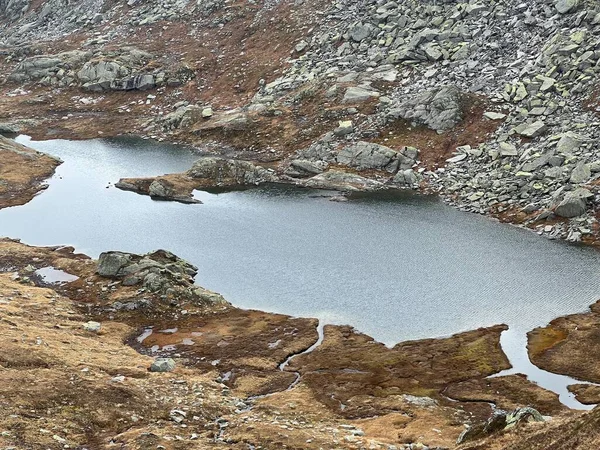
{"points": [[303, 167], [162, 365], [359, 94], [532, 130], [508, 149], [406, 177], [110, 263], [92, 326], [439, 109], [366, 155], [337, 180], [7, 129], [360, 32], [568, 143], [567, 6], [573, 204], [230, 172], [580, 174]]}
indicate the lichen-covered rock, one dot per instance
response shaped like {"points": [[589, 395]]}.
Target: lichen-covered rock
{"points": [[162, 365], [439, 109], [500, 420], [160, 272], [342, 181], [230, 172], [573, 204]]}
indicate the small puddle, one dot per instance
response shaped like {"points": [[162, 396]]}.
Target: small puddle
{"points": [[514, 345], [51, 275]]}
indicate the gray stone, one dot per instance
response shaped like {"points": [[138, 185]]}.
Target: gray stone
{"points": [[580, 174], [532, 130], [566, 6], [439, 109], [303, 167], [342, 181], [508, 149], [366, 155], [573, 204], [92, 326], [359, 94], [359, 32], [494, 115], [406, 177], [162, 365], [110, 263], [569, 142], [230, 172]]}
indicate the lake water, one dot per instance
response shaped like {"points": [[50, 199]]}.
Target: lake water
{"points": [[396, 267]]}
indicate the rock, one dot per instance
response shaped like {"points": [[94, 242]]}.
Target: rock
{"points": [[160, 272], [580, 174], [508, 149], [406, 177], [229, 172], [359, 32], [158, 189], [532, 130], [568, 143], [359, 94], [567, 6], [303, 167], [301, 46], [366, 155], [7, 129], [182, 117], [92, 326], [439, 109], [207, 113], [573, 204], [162, 365], [110, 263], [494, 115], [345, 128], [458, 158], [499, 421], [337, 180], [424, 402]]}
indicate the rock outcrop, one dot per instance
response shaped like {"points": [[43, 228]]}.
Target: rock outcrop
{"points": [[160, 272]]}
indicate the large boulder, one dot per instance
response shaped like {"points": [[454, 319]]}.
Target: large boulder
{"points": [[580, 174], [367, 155], [304, 168], [160, 272], [439, 109], [500, 420], [573, 204], [336, 180], [229, 172], [358, 94], [567, 6]]}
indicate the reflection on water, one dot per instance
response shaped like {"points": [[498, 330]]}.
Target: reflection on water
{"points": [[396, 267]]}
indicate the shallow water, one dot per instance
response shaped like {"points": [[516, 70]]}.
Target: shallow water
{"points": [[396, 267]]}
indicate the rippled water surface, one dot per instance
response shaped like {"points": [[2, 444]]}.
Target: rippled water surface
{"points": [[395, 267]]}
